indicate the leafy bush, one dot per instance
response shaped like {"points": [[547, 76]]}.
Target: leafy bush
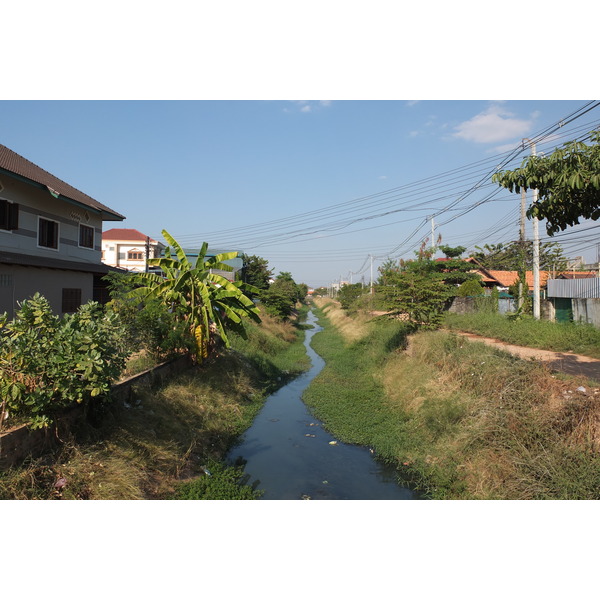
{"points": [[150, 325], [48, 363], [220, 483], [471, 287], [348, 294]]}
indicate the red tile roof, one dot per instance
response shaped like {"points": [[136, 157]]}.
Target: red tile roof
{"points": [[507, 278], [14, 163], [125, 235]]}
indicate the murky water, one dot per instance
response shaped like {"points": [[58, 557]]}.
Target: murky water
{"points": [[289, 455]]}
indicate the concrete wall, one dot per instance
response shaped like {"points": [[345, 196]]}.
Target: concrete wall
{"points": [[18, 444], [586, 310], [18, 283]]}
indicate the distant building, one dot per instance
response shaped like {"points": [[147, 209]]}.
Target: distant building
{"points": [[236, 264], [128, 249]]}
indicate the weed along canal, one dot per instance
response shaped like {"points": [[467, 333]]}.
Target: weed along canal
{"points": [[288, 454]]}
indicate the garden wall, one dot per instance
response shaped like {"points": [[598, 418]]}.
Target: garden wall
{"points": [[19, 443]]}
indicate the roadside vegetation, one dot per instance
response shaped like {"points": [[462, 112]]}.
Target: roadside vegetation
{"points": [[459, 420], [164, 441], [144, 447], [579, 338]]}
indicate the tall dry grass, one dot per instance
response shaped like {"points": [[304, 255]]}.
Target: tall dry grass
{"points": [[351, 328]]}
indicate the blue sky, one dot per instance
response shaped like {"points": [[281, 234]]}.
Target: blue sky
{"points": [[264, 176]]}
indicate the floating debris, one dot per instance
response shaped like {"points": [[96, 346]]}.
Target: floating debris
{"points": [[306, 497], [334, 443], [309, 435], [203, 468]]}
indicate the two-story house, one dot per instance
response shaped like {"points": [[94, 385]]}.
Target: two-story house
{"points": [[129, 249], [50, 235]]}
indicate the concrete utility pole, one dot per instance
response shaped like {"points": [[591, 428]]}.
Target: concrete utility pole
{"points": [[522, 243], [536, 251], [372, 290]]}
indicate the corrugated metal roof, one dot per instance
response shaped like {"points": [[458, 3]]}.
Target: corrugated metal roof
{"points": [[14, 163], [574, 288]]}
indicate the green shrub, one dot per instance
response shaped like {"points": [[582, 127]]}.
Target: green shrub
{"points": [[471, 287], [219, 483], [48, 363], [151, 325]]}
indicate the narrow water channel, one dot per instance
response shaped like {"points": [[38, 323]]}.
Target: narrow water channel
{"points": [[288, 454]]}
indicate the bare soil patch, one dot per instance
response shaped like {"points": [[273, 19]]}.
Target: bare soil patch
{"points": [[565, 362]]}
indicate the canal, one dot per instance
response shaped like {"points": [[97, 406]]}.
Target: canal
{"points": [[289, 455]]}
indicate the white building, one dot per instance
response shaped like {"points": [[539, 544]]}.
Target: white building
{"points": [[129, 249]]}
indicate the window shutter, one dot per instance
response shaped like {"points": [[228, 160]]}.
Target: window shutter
{"points": [[13, 216]]}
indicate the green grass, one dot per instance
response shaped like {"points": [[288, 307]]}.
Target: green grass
{"points": [[459, 420], [580, 338]]}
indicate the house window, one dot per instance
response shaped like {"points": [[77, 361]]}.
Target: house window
{"points": [[9, 215], [135, 255], [86, 236], [6, 280], [71, 299], [48, 233]]}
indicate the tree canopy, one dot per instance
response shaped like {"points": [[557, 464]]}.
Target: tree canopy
{"points": [[256, 271], [568, 183], [421, 288]]}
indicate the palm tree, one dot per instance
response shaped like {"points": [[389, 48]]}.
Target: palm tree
{"points": [[209, 303]]}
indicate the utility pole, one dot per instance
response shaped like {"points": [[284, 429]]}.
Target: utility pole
{"points": [[536, 251], [372, 290], [522, 245], [147, 251]]}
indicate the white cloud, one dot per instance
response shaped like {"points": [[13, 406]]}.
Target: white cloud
{"points": [[412, 102], [382, 177], [496, 124], [413, 133], [307, 106]]}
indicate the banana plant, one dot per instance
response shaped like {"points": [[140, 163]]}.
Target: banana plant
{"points": [[209, 303]]}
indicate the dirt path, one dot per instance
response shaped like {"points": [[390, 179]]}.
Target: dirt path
{"points": [[566, 362]]}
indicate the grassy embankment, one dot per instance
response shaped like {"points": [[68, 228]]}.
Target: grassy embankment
{"points": [[158, 448], [461, 420], [579, 338]]}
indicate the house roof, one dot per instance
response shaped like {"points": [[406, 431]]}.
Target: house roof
{"points": [[13, 164], [129, 235], [507, 278], [578, 275]]}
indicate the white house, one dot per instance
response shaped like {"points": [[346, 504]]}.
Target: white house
{"points": [[50, 235], [129, 249]]}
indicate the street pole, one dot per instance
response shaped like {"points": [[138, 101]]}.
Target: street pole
{"points": [[536, 252], [372, 290], [522, 245]]}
